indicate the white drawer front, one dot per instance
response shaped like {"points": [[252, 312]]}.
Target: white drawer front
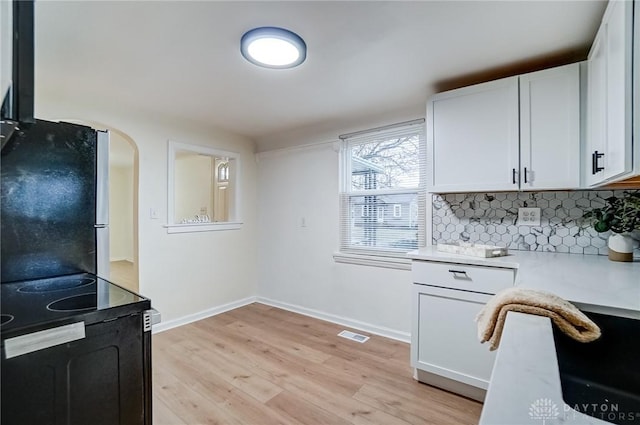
{"points": [[488, 280]]}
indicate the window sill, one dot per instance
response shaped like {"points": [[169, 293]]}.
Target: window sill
{"points": [[372, 260], [202, 227]]}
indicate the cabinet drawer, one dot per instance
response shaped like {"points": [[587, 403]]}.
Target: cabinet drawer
{"points": [[488, 280]]}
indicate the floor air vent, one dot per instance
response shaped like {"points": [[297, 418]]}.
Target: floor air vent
{"points": [[353, 336]]}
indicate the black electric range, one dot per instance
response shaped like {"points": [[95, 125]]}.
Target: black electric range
{"points": [[76, 349], [34, 305]]}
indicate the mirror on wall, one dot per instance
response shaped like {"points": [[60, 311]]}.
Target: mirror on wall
{"points": [[203, 184]]}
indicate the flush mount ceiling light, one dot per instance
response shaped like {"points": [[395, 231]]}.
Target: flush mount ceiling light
{"points": [[272, 47]]}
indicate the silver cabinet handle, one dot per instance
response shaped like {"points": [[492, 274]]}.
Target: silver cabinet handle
{"points": [[457, 271]]}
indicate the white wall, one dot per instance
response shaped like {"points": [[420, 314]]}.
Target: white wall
{"points": [[121, 217], [295, 263], [188, 273]]}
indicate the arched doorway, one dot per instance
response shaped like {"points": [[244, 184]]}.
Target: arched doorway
{"points": [[123, 211]]}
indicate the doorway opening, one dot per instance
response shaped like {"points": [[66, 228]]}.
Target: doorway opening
{"points": [[123, 210]]}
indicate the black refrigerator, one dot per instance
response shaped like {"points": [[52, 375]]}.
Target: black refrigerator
{"points": [[54, 201], [75, 348]]}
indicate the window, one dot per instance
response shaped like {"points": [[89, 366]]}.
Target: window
{"points": [[380, 215], [223, 172], [397, 211], [382, 172]]}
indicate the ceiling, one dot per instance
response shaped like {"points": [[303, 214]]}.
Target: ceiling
{"points": [[365, 58]]}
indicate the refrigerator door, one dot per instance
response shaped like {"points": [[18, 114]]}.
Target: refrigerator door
{"points": [[102, 205], [102, 178], [47, 204], [102, 245]]}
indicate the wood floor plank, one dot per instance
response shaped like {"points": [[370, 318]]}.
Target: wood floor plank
{"points": [[303, 412], [262, 365], [282, 341], [228, 403], [163, 415], [123, 273], [411, 410], [186, 403], [234, 374]]}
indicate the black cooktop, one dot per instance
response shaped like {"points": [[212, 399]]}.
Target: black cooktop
{"points": [[34, 305]]}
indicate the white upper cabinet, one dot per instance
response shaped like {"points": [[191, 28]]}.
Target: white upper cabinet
{"points": [[550, 129], [609, 148], [518, 133], [472, 138]]}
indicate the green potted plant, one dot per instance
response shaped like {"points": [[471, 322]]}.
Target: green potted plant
{"points": [[620, 215]]}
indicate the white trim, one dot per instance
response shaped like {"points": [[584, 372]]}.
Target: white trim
{"points": [[202, 227], [129, 259], [428, 205], [372, 192], [384, 128], [190, 318], [373, 260], [340, 320]]}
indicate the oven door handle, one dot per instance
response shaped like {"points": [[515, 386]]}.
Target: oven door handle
{"points": [[35, 341]]}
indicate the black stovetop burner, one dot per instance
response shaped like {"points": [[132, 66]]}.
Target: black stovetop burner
{"points": [[56, 284], [33, 305]]}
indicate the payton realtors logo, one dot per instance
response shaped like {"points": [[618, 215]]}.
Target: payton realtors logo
{"points": [[544, 409]]}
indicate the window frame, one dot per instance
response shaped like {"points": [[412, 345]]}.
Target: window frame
{"points": [[234, 174], [376, 256]]}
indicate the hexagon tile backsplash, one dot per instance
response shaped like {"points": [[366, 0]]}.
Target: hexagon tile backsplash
{"points": [[492, 219]]}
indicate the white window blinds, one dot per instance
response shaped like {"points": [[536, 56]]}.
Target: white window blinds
{"points": [[382, 199]]}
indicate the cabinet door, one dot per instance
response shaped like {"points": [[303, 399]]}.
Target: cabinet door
{"points": [[617, 160], [596, 110], [472, 138], [608, 156], [98, 380], [444, 337], [550, 129]]}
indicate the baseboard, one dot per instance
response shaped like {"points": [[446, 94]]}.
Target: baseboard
{"points": [[164, 326], [451, 385], [340, 320], [112, 260]]}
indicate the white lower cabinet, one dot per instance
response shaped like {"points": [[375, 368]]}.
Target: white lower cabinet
{"points": [[445, 350]]}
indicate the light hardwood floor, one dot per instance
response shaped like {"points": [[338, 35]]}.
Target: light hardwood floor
{"points": [[123, 273], [262, 365]]}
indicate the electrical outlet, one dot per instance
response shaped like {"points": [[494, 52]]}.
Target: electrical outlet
{"points": [[529, 216]]}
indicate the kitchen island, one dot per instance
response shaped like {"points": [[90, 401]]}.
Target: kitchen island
{"points": [[526, 371]]}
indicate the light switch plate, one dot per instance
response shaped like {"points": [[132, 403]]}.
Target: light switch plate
{"points": [[529, 216]]}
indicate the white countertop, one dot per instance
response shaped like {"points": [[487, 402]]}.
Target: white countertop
{"points": [[592, 282], [526, 366], [526, 372]]}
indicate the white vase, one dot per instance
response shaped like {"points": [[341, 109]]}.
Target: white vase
{"points": [[621, 247]]}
